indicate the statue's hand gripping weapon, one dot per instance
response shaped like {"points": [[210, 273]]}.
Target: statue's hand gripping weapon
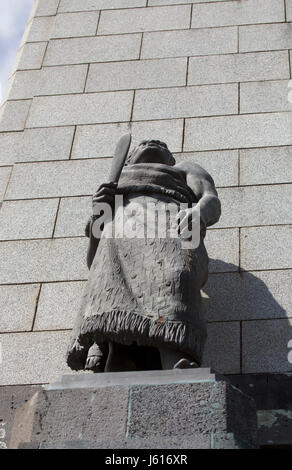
{"points": [[119, 159]]}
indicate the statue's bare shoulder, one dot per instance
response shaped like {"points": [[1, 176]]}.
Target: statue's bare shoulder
{"points": [[197, 178]]}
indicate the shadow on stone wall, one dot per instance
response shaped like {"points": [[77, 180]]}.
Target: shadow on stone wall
{"points": [[246, 303]]}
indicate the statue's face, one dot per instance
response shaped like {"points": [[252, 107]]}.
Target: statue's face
{"points": [[152, 151]]}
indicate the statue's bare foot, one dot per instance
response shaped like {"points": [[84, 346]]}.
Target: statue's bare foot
{"points": [[95, 359], [93, 364], [173, 359], [185, 364]]}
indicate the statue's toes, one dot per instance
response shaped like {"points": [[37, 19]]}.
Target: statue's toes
{"points": [[93, 364], [185, 364]]}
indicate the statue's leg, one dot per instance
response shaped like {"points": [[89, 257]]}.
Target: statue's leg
{"points": [[96, 358], [171, 359], [119, 358]]}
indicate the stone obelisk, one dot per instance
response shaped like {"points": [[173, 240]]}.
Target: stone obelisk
{"points": [[210, 78]]}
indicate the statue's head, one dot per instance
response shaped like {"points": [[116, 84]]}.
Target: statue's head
{"points": [[151, 151]]}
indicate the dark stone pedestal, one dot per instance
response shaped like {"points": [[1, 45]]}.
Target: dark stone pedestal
{"points": [[178, 409]]}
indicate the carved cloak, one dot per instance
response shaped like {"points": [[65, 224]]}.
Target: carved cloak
{"points": [[144, 291]]}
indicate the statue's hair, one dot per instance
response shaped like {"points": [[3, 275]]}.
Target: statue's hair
{"points": [[159, 142]]}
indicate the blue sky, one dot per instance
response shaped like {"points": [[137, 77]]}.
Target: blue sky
{"points": [[13, 17]]}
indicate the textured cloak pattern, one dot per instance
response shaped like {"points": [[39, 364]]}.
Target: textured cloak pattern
{"points": [[142, 290]]}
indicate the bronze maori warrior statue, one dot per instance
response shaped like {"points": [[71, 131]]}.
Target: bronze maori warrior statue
{"points": [[141, 308]]}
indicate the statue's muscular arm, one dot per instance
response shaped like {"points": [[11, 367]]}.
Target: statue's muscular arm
{"points": [[203, 186]]}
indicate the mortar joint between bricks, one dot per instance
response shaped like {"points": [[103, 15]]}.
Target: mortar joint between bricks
{"points": [[141, 46], [187, 70], [239, 167], [45, 53], [238, 97], [58, 7], [191, 15], [289, 62], [133, 104], [28, 113], [56, 218], [86, 78], [7, 184], [183, 134], [36, 307], [238, 39], [72, 144], [98, 21]]}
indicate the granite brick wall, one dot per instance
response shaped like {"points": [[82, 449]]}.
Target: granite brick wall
{"points": [[211, 78]]}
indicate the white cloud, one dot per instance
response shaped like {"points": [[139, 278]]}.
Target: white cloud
{"points": [[13, 18]]}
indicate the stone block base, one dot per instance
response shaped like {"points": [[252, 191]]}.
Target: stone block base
{"points": [[177, 409]]}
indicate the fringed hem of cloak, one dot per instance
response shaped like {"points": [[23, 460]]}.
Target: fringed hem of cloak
{"points": [[128, 327]]}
